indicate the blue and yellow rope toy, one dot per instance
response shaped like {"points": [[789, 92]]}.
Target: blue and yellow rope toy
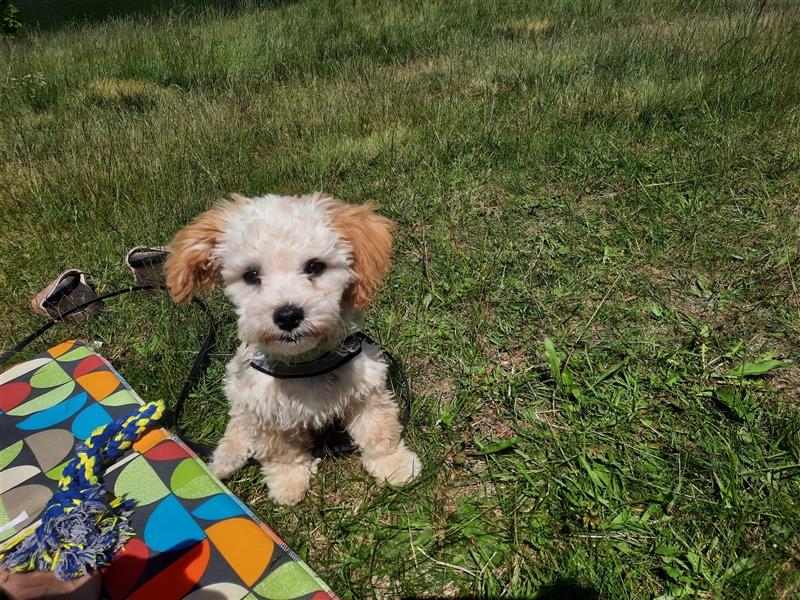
{"points": [[82, 527]]}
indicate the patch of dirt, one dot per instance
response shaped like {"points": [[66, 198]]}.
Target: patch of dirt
{"points": [[449, 590], [461, 476], [490, 199], [428, 381], [509, 362], [491, 421], [787, 583], [788, 381], [384, 587]]}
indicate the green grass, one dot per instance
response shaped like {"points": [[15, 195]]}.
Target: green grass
{"points": [[619, 178]]}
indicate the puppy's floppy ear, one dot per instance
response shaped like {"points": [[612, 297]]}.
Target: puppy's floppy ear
{"points": [[369, 236], [192, 266]]}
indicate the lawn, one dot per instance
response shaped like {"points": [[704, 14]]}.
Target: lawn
{"points": [[595, 279]]}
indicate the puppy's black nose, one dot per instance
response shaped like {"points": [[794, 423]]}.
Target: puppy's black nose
{"points": [[288, 316]]}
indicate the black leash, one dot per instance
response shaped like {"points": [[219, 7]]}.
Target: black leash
{"points": [[9, 354], [171, 417], [333, 441], [400, 371]]}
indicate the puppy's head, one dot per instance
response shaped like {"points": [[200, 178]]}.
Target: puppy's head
{"points": [[290, 265]]}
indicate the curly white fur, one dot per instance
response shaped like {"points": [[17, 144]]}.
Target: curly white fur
{"points": [[261, 249]]}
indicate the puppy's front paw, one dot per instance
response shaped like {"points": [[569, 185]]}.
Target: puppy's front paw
{"points": [[287, 482], [224, 464], [399, 467]]}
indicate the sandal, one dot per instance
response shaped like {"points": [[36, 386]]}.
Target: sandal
{"points": [[147, 264], [69, 290]]}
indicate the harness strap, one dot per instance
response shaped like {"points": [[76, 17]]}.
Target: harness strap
{"points": [[335, 440], [330, 361]]}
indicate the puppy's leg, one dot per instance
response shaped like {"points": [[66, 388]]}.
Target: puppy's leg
{"points": [[286, 464], [233, 449], [375, 427]]}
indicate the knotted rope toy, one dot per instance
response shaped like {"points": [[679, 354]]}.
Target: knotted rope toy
{"points": [[83, 527]]}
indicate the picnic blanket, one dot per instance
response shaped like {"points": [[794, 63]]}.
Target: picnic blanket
{"points": [[194, 538]]}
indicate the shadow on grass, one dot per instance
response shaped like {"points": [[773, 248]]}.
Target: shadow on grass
{"points": [[49, 15], [567, 590], [560, 590]]}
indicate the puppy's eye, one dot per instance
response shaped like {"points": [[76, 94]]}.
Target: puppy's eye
{"points": [[314, 267], [252, 277]]}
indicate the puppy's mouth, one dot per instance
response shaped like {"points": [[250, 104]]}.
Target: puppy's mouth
{"points": [[290, 343], [290, 339], [294, 338]]}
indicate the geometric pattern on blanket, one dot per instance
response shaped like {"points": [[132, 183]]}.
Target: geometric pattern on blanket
{"points": [[194, 538]]}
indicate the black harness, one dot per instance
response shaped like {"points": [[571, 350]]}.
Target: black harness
{"points": [[334, 439], [350, 347]]}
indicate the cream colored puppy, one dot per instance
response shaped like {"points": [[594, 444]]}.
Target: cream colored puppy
{"points": [[298, 270]]}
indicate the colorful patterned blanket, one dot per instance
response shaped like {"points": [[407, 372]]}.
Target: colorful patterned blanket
{"points": [[194, 538]]}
